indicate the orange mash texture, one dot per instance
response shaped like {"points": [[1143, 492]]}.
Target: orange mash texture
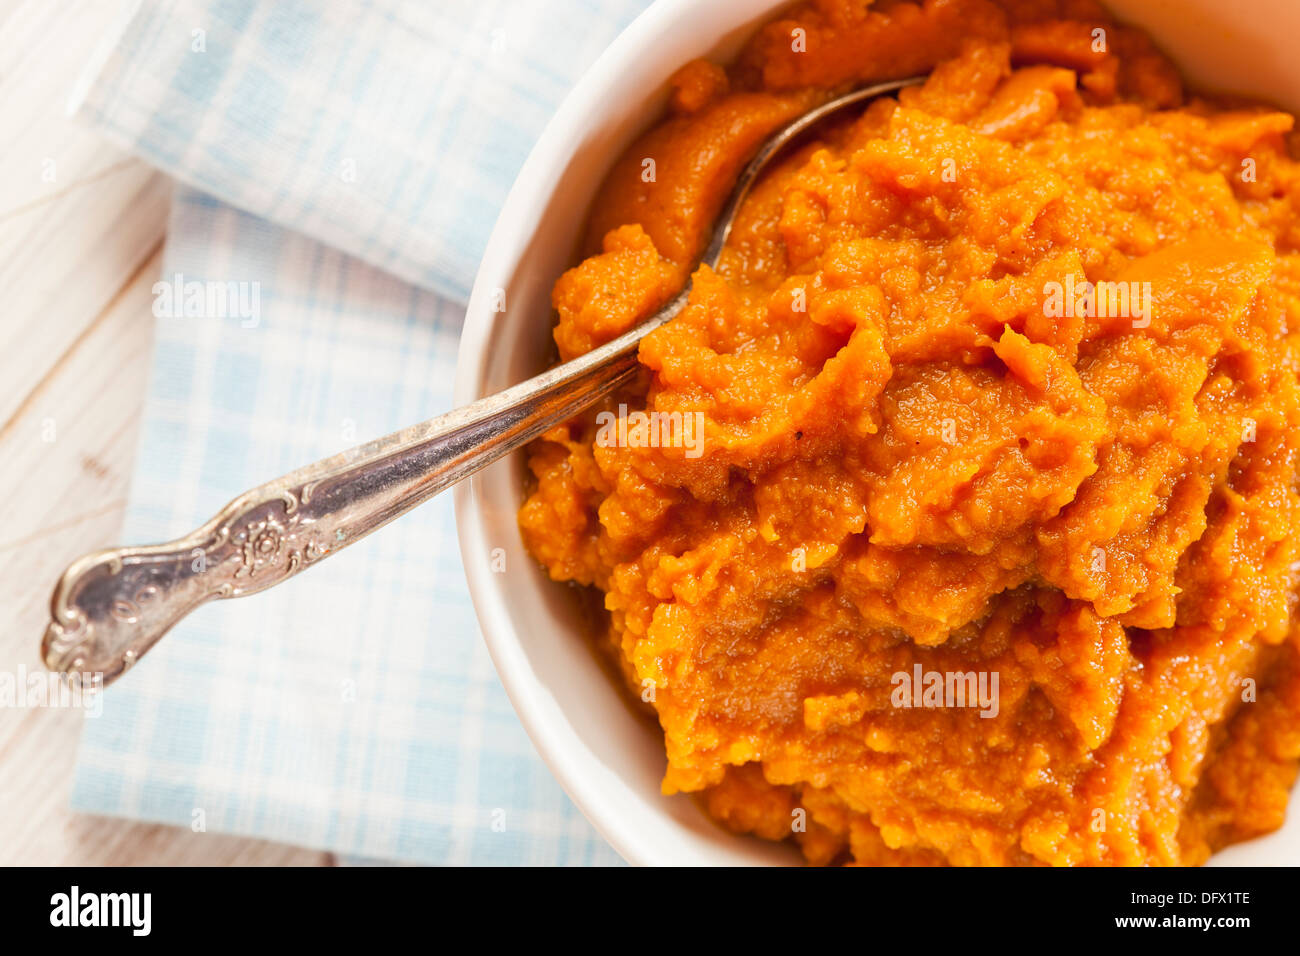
{"points": [[913, 464]]}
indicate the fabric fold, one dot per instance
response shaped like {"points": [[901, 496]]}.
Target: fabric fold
{"points": [[389, 130], [342, 166]]}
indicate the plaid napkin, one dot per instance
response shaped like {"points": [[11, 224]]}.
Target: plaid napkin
{"points": [[342, 165]]}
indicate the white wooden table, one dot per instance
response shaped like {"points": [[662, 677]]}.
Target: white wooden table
{"points": [[81, 233]]}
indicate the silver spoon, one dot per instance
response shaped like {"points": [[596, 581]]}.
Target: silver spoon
{"points": [[110, 607]]}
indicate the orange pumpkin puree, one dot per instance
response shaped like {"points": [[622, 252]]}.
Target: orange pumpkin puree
{"points": [[919, 459]]}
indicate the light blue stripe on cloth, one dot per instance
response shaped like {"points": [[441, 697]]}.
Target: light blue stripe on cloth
{"points": [[348, 160]]}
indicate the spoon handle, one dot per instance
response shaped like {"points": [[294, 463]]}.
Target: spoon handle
{"points": [[110, 607]]}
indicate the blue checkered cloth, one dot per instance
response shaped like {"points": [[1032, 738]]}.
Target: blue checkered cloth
{"points": [[343, 163]]}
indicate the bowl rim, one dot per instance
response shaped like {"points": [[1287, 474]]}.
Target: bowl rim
{"points": [[525, 202]]}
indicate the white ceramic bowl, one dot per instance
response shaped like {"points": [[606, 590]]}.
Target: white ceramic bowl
{"points": [[608, 759]]}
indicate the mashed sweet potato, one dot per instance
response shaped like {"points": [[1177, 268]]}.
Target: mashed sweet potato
{"points": [[989, 555]]}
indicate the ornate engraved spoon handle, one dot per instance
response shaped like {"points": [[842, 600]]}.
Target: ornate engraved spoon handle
{"points": [[110, 607]]}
